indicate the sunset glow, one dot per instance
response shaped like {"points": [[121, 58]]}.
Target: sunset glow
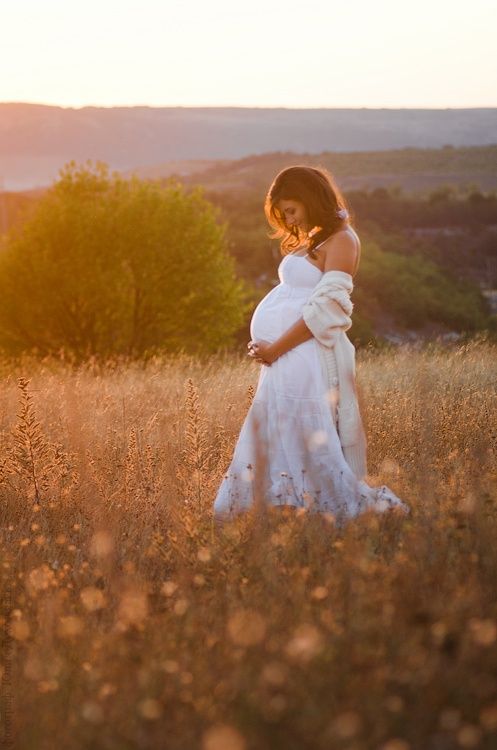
{"points": [[280, 54]]}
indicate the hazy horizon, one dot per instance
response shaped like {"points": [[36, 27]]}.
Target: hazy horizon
{"points": [[223, 106]]}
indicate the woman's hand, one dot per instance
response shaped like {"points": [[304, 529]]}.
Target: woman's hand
{"points": [[262, 351]]}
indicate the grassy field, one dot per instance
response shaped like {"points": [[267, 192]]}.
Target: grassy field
{"points": [[129, 621]]}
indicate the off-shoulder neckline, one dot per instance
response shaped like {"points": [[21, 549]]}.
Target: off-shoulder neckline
{"points": [[332, 270], [295, 255]]}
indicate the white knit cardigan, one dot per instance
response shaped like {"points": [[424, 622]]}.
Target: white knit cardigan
{"points": [[327, 314]]}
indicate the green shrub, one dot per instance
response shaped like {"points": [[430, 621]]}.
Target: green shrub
{"points": [[107, 266]]}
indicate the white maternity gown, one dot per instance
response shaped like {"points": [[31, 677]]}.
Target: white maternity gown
{"points": [[304, 464]]}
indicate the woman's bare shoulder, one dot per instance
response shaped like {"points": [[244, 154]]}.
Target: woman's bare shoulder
{"points": [[350, 231], [341, 251], [337, 237]]}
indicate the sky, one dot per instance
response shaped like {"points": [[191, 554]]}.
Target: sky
{"points": [[251, 53]]}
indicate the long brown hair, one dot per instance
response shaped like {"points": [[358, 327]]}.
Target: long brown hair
{"points": [[316, 189]]}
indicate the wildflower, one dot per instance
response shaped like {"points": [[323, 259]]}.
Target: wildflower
{"points": [[69, 626], [102, 544], [92, 712], [133, 607], [484, 632], [346, 725], [223, 737], [306, 643], [92, 598], [150, 709], [246, 627], [319, 593], [204, 554], [169, 587], [180, 607], [19, 630]]}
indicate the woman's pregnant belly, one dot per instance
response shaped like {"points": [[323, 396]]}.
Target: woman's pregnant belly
{"points": [[276, 312]]}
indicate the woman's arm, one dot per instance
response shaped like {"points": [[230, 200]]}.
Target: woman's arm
{"points": [[293, 336]]}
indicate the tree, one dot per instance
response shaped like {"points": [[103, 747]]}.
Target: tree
{"points": [[107, 266]]}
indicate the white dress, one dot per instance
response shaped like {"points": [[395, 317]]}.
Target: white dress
{"points": [[295, 420]]}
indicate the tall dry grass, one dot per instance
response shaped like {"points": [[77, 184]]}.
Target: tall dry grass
{"points": [[130, 621]]}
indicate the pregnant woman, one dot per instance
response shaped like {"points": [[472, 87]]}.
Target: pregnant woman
{"points": [[304, 419]]}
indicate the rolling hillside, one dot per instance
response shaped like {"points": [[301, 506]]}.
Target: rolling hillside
{"points": [[36, 140]]}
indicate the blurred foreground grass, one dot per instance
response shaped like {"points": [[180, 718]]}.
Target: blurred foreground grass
{"points": [[128, 622]]}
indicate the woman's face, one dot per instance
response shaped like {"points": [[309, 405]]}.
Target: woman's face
{"points": [[294, 213]]}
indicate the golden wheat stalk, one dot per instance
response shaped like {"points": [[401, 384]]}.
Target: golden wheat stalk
{"points": [[31, 449], [196, 455]]}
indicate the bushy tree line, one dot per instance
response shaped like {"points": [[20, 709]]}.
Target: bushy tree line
{"points": [[415, 292], [105, 265], [394, 209]]}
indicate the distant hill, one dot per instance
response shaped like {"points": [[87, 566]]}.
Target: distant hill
{"points": [[417, 172], [414, 170], [37, 140]]}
